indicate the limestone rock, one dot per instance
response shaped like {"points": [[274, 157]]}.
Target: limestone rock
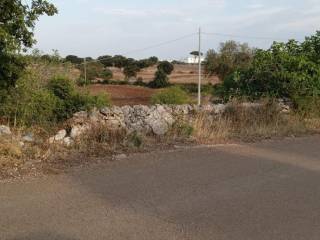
{"points": [[78, 130], [219, 108], [59, 136], [68, 141], [5, 130], [159, 120], [113, 117], [29, 137]]}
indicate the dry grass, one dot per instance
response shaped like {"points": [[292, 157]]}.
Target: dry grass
{"points": [[100, 141], [249, 124], [238, 123]]}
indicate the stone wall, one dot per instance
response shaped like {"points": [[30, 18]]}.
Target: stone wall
{"points": [[155, 120]]}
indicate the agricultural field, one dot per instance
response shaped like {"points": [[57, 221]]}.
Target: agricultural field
{"points": [[124, 94], [134, 95], [182, 74]]}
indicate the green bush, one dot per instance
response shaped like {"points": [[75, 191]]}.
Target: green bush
{"points": [[71, 101], [28, 103], [173, 95], [192, 88], [161, 80], [166, 67], [140, 82], [286, 70]]}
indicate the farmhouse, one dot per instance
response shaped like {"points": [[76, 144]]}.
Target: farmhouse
{"points": [[193, 60]]}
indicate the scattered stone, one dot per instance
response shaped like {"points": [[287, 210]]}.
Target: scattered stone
{"points": [[29, 137], [58, 137], [68, 141], [285, 105], [5, 130]]}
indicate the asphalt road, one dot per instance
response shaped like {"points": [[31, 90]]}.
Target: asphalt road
{"points": [[266, 191]]}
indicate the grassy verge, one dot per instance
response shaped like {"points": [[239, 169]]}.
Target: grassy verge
{"points": [[238, 123]]}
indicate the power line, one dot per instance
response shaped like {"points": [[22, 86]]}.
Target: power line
{"points": [[185, 37], [161, 44], [246, 37], [149, 47]]}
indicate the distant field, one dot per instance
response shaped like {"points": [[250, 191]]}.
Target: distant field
{"points": [[181, 74], [135, 95]]}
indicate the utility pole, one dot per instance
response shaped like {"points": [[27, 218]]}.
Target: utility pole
{"points": [[85, 70], [200, 73]]}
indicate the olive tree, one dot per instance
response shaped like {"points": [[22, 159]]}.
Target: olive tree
{"points": [[17, 23]]}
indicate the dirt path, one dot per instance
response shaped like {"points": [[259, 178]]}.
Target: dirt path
{"points": [[258, 191]]}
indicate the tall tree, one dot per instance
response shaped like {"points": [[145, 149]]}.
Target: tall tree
{"points": [[17, 23]]}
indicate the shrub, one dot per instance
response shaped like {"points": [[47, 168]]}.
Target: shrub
{"points": [[28, 103], [140, 82], [286, 70], [71, 101], [161, 80], [166, 67], [173, 95], [106, 74]]}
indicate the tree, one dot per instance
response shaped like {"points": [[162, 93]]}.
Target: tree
{"points": [[153, 60], [230, 57], [166, 67], [94, 70], [161, 80], [131, 70], [74, 59], [17, 23], [119, 61], [106, 60]]}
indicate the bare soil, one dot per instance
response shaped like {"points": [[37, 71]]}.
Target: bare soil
{"points": [[124, 94]]}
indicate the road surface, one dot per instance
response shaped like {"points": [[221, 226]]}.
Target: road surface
{"points": [[262, 191]]}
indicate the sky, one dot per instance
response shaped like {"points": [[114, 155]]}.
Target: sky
{"points": [[108, 27]]}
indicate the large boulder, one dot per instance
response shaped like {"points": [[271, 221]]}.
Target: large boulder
{"points": [[159, 120], [135, 118]]}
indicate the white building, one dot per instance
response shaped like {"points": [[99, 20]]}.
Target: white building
{"points": [[194, 59]]}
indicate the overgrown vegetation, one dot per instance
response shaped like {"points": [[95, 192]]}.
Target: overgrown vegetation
{"points": [[230, 57], [286, 70], [33, 102], [248, 124]]}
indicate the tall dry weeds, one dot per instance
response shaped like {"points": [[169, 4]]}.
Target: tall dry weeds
{"points": [[247, 123]]}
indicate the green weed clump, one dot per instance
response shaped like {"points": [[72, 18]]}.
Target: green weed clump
{"points": [[172, 95]]}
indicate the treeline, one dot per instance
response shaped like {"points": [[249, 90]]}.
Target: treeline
{"points": [[99, 68]]}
